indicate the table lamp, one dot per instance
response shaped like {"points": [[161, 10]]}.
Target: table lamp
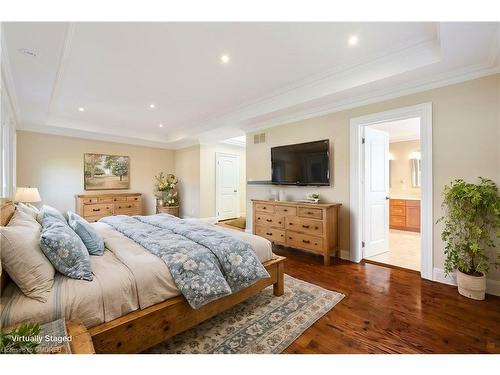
{"points": [[27, 195]]}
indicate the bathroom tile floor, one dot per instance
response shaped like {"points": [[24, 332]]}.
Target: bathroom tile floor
{"points": [[404, 250]]}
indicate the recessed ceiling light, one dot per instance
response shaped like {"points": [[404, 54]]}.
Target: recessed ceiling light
{"points": [[152, 106], [81, 109], [224, 59], [160, 125], [353, 40]]}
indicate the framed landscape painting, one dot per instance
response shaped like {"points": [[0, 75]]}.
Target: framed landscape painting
{"points": [[106, 172]]}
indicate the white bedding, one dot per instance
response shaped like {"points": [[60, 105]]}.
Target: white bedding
{"points": [[127, 277]]}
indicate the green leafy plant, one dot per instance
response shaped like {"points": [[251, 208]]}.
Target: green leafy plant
{"points": [[471, 225], [21, 340]]}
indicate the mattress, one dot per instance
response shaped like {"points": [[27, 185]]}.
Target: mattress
{"points": [[126, 278]]}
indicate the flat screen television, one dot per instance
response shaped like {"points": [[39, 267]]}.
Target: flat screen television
{"points": [[301, 164]]}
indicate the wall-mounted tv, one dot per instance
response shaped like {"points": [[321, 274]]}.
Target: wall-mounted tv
{"points": [[301, 164]]}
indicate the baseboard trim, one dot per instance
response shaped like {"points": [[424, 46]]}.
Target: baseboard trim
{"points": [[344, 254], [492, 286]]}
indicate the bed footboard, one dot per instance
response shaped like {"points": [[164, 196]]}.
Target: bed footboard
{"points": [[142, 329]]}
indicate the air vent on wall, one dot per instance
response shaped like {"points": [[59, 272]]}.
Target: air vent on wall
{"points": [[259, 138]]}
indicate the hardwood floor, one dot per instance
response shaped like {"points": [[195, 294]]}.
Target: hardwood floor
{"points": [[390, 310]]}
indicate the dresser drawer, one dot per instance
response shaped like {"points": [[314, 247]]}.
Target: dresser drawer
{"points": [[126, 208], [90, 200], [119, 199], [105, 199], [286, 210], [398, 221], [269, 220], [262, 207], [93, 219], [304, 241], [98, 209], [313, 213], [398, 210], [133, 199], [299, 224], [272, 234]]}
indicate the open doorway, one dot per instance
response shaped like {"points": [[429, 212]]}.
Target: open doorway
{"points": [[371, 183], [393, 239]]}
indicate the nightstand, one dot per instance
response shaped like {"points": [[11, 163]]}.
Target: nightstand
{"points": [[171, 210]]}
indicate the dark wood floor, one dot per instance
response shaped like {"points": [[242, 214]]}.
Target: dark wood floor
{"points": [[392, 311]]}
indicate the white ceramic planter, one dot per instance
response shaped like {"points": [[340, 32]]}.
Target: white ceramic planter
{"points": [[472, 287]]}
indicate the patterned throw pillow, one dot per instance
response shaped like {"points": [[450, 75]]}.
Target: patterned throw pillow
{"points": [[92, 240], [65, 250], [48, 213]]}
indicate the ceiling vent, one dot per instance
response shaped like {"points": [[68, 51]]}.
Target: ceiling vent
{"points": [[259, 138], [27, 52]]}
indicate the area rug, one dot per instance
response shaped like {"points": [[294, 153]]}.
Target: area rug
{"points": [[263, 324], [240, 222]]}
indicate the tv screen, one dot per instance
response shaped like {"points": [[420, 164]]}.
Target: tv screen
{"points": [[301, 164]]}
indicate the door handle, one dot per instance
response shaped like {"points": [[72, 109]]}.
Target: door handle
{"points": [[235, 191], [387, 198]]}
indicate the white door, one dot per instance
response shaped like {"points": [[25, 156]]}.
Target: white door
{"points": [[376, 192], [227, 186]]}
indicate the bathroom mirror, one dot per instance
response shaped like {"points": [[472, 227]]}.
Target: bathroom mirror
{"points": [[415, 173]]}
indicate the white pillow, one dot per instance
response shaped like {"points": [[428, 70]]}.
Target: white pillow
{"points": [[27, 209], [23, 259]]}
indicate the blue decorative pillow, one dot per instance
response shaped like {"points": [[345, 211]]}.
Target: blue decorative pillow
{"points": [[48, 213], [92, 240], [65, 250]]}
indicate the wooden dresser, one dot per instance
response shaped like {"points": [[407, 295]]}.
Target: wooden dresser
{"points": [[404, 214], [307, 226], [92, 207]]}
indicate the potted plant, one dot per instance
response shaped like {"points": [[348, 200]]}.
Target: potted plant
{"points": [[471, 232], [165, 189]]}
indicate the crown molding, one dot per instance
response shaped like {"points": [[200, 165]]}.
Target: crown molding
{"points": [[92, 135], [311, 110]]}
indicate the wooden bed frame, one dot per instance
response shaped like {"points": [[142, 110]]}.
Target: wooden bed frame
{"points": [[142, 329]]}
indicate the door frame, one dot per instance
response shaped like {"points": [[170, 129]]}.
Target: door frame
{"points": [[357, 124], [217, 179]]}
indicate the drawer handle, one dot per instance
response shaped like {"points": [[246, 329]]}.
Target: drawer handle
{"points": [[285, 210], [269, 220], [306, 241], [290, 223], [264, 207], [269, 233], [96, 209], [130, 206], [310, 213], [114, 199], [305, 226]]}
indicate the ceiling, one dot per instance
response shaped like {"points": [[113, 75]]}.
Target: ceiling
{"points": [[277, 72], [401, 130]]}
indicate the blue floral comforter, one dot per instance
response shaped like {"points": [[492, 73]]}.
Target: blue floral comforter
{"points": [[206, 264]]}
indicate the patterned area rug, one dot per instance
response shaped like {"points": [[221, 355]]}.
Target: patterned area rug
{"points": [[263, 324]]}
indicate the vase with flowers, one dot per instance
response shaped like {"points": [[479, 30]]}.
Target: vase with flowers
{"points": [[166, 193]]}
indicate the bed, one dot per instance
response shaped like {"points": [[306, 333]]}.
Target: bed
{"points": [[133, 302]]}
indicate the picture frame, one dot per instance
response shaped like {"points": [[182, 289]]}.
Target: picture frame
{"points": [[106, 172]]}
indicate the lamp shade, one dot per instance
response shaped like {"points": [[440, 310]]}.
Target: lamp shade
{"points": [[27, 195]]}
